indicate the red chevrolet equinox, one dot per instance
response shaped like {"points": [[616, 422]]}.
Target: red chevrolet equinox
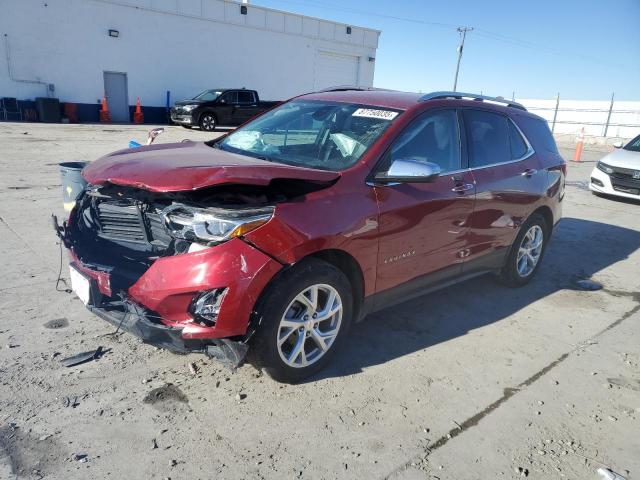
{"points": [[278, 236]]}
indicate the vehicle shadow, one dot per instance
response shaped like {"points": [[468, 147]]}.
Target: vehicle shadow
{"points": [[576, 251]]}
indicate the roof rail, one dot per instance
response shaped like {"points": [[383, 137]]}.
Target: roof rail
{"points": [[472, 96], [346, 88]]}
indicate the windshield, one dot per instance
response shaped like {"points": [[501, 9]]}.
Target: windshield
{"points": [[208, 95], [633, 145], [315, 134]]}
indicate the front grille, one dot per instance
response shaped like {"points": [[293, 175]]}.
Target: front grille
{"points": [[131, 222], [625, 174], [121, 222]]}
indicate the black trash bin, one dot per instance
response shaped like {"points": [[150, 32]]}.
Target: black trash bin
{"points": [[72, 182]]}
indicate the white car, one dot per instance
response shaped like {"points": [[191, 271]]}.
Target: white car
{"points": [[618, 173]]}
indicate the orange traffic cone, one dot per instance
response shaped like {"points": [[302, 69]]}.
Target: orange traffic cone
{"points": [[579, 146], [105, 116], [138, 117]]}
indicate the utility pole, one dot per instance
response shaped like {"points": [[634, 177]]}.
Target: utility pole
{"points": [[463, 32], [606, 125]]}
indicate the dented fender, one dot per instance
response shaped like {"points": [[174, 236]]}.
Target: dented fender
{"points": [[170, 284]]}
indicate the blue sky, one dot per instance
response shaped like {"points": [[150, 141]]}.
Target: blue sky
{"points": [[583, 49]]}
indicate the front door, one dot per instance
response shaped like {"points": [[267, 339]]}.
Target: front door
{"points": [[115, 89], [423, 226]]}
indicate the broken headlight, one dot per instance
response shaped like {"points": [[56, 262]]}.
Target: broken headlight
{"points": [[212, 225]]}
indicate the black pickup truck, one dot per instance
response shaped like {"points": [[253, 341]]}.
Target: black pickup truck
{"points": [[219, 106]]}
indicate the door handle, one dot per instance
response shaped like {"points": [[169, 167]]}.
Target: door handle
{"points": [[462, 188], [529, 172]]}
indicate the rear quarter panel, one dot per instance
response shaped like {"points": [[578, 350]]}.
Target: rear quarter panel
{"points": [[539, 135]]}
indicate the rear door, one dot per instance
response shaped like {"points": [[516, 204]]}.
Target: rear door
{"points": [[423, 226], [247, 106], [509, 182]]}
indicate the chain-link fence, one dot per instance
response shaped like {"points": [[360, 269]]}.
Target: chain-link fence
{"points": [[611, 119]]}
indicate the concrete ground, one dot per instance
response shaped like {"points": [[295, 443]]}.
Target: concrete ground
{"points": [[477, 381]]}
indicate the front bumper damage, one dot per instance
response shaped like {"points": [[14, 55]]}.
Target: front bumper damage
{"points": [[131, 318], [155, 306]]}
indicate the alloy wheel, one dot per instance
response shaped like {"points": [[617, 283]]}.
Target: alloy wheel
{"points": [[208, 123], [530, 251], [310, 325]]}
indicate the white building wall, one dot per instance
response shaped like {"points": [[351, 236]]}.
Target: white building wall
{"points": [[184, 46]]}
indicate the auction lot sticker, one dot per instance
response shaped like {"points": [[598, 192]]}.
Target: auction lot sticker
{"points": [[373, 113]]}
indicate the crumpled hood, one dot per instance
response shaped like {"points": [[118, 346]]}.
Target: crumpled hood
{"points": [[173, 167]]}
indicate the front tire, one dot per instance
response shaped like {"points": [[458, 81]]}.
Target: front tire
{"points": [[526, 252], [208, 122], [303, 318]]}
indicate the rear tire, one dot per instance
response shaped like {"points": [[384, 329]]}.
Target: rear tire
{"points": [[290, 334], [208, 122], [526, 252]]}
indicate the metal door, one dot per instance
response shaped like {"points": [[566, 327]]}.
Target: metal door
{"points": [[115, 88], [423, 226]]}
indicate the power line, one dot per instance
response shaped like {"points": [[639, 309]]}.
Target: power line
{"points": [[498, 37]]}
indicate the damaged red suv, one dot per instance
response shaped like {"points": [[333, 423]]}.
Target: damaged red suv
{"points": [[280, 235]]}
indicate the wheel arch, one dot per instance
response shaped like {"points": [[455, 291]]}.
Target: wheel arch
{"points": [[348, 265], [547, 214], [341, 260], [205, 111]]}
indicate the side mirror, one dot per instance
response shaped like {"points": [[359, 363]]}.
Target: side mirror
{"points": [[409, 171], [617, 144]]}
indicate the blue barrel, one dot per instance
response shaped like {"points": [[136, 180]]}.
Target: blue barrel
{"points": [[72, 182]]}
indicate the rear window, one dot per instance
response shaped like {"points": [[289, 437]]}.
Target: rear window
{"points": [[245, 97], [538, 133]]}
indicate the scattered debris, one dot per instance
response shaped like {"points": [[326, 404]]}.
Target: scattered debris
{"points": [[154, 444], [522, 471], [166, 393], [80, 457], [82, 357], [57, 323], [241, 396], [67, 402], [193, 369], [607, 474], [588, 285]]}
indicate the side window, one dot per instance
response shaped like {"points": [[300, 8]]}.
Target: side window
{"points": [[230, 97], [488, 137], [245, 97], [518, 145], [433, 137], [538, 133]]}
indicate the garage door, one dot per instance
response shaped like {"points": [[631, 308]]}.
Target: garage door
{"points": [[336, 69]]}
